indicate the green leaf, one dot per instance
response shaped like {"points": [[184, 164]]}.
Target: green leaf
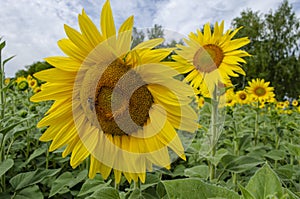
{"points": [[29, 178], [60, 183], [195, 188], [293, 149], [151, 180], [2, 45], [29, 193], [8, 128], [92, 185], [239, 164], [200, 171], [79, 178], [5, 166], [217, 158], [264, 183], [105, 193], [6, 60], [275, 155], [36, 153], [246, 193]]}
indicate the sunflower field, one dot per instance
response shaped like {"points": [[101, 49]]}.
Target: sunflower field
{"points": [[112, 121]]}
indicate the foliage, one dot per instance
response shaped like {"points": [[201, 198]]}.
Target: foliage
{"points": [[33, 68], [275, 39], [268, 170]]}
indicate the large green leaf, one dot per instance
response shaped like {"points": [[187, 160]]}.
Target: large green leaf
{"points": [[239, 164], [5, 166], [61, 182], [105, 193], [200, 171], [30, 193], [194, 189], [92, 185], [246, 193], [29, 178], [265, 183]]}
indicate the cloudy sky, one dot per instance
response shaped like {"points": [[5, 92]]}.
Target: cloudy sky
{"points": [[31, 28]]}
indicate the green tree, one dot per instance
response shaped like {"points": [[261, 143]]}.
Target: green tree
{"points": [[137, 37], [33, 68], [274, 48]]}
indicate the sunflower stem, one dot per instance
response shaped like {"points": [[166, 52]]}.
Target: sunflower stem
{"points": [[2, 106], [2, 77], [256, 125], [137, 184], [213, 133]]}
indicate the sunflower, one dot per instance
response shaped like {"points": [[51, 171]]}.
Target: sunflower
{"points": [[22, 85], [210, 57], [32, 83], [295, 102], [242, 97], [37, 89], [230, 97], [7, 81], [260, 90], [120, 107]]}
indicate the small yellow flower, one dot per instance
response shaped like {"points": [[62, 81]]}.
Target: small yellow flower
{"points": [[286, 103], [242, 97], [22, 85], [37, 89], [32, 83], [19, 79], [6, 81], [201, 102], [29, 77], [295, 102]]}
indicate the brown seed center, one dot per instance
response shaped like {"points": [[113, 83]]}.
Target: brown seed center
{"points": [[259, 91], [115, 98]]}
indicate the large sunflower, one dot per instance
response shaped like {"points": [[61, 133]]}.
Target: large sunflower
{"points": [[117, 106], [260, 90], [210, 57]]}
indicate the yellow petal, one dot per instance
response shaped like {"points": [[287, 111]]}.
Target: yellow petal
{"points": [[107, 21], [89, 31]]}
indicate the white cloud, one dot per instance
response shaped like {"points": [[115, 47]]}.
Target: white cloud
{"points": [[187, 16], [32, 28]]}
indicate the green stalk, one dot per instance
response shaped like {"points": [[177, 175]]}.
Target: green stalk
{"points": [[2, 96], [235, 152], [2, 103], [47, 158], [256, 125], [137, 185], [214, 117]]}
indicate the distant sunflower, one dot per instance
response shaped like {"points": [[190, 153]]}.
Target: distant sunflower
{"points": [[210, 57], [242, 97], [32, 83], [260, 90], [295, 102], [118, 106]]}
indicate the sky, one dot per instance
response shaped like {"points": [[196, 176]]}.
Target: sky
{"points": [[31, 28]]}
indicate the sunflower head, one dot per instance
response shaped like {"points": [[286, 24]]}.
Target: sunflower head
{"points": [[32, 83], [260, 90], [242, 97], [121, 107], [22, 85], [295, 102], [210, 57]]}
